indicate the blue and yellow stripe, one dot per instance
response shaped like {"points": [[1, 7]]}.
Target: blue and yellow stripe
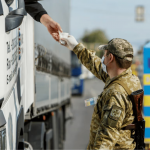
{"points": [[146, 109], [146, 83], [146, 79]]}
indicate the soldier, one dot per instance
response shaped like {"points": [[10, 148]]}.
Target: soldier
{"points": [[39, 14], [113, 110]]}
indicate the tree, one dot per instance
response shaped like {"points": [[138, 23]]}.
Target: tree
{"points": [[93, 39], [96, 36]]}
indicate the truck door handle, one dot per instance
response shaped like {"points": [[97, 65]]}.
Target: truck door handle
{"points": [[15, 17], [1, 8]]}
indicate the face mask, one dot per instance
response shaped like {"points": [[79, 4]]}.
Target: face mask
{"points": [[103, 65]]}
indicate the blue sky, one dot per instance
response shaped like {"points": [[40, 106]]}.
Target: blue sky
{"points": [[115, 17]]}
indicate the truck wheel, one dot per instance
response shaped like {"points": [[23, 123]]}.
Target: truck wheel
{"points": [[36, 135]]}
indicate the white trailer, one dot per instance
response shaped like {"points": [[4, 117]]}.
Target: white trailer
{"points": [[34, 79]]}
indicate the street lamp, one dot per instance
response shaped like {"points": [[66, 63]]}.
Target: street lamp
{"points": [[140, 13]]}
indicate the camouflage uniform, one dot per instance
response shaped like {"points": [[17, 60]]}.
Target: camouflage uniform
{"points": [[113, 110]]}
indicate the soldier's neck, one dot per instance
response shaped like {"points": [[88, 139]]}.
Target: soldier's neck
{"points": [[115, 72]]}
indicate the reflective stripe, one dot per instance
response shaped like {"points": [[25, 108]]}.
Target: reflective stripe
{"points": [[147, 100], [147, 121], [147, 132], [146, 79], [146, 90], [147, 140], [146, 111]]}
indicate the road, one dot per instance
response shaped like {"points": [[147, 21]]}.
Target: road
{"points": [[77, 135]]}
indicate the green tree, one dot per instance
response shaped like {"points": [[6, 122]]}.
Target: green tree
{"points": [[93, 39], [96, 36]]}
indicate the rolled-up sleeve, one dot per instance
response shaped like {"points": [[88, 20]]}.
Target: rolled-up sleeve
{"points": [[34, 9], [90, 61]]}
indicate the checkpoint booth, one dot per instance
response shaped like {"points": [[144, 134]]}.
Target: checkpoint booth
{"points": [[146, 86]]}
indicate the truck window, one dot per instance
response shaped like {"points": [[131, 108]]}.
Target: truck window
{"points": [[1, 8]]}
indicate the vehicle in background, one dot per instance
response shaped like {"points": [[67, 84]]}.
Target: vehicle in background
{"points": [[86, 73], [137, 66], [140, 73], [134, 71], [76, 75], [35, 87]]}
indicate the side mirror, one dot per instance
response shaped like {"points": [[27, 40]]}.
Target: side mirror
{"points": [[9, 2], [20, 11], [1, 8], [15, 17], [12, 22]]}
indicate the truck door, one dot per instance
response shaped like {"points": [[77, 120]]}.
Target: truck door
{"points": [[12, 68], [11, 41]]}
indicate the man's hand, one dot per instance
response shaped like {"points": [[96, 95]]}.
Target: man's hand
{"points": [[70, 42], [52, 26]]}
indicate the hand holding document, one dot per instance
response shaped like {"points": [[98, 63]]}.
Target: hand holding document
{"points": [[61, 36], [67, 40], [53, 27]]}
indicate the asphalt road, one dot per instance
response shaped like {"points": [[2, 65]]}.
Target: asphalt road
{"points": [[77, 134]]}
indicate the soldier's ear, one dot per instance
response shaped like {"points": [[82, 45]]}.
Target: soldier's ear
{"points": [[111, 57]]}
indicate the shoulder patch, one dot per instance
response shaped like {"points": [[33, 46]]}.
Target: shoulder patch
{"points": [[115, 112]]}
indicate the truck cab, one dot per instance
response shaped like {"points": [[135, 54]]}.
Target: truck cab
{"points": [[35, 79]]}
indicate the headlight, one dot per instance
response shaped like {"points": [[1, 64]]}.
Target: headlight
{"points": [[3, 139]]}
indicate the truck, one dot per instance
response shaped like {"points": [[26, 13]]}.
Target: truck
{"points": [[76, 75], [35, 87]]}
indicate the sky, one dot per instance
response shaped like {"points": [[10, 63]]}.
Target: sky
{"points": [[115, 17]]}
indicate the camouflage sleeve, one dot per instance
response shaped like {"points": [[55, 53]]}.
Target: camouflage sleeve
{"points": [[111, 121], [90, 61]]}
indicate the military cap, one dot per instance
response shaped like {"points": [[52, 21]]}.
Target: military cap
{"points": [[120, 48]]}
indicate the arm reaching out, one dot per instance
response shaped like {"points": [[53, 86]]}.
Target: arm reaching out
{"points": [[38, 13], [52, 26], [34, 9], [87, 57]]}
